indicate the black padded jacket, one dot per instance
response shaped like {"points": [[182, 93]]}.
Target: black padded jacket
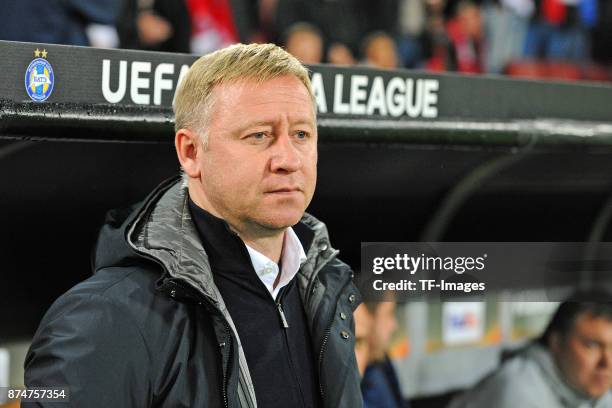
{"points": [[150, 328]]}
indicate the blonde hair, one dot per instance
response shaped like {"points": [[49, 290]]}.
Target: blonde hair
{"points": [[259, 62]]}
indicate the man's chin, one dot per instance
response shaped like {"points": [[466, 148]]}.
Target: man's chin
{"points": [[282, 221], [598, 392]]}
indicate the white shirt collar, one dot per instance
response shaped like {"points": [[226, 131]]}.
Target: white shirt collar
{"points": [[292, 256]]}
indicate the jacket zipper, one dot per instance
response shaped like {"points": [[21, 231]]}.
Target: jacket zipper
{"points": [[325, 339], [229, 360], [285, 326], [324, 344], [282, 315], [228, 342], [199, 297]]}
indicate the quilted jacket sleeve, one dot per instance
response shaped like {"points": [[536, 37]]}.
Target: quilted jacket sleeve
{"points": [[90, 345]]}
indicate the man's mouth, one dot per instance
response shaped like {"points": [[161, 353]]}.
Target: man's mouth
{"points": [[284, 190], [602, 378]]}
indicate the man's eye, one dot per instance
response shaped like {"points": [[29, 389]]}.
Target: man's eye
{"points": [[590, 344], [300, 134], [259, 135]]}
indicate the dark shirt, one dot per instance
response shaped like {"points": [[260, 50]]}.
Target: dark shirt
{"points": [[54, 21], [173, 11], [380, 386], [280, 359]]}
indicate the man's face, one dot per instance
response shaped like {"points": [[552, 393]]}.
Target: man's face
{"points": [[363, 329], [306, 47], [385, 324], [382, 53], [585, 355], [259, 169]]}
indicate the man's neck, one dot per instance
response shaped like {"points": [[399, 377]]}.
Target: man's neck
{"points": [[269, 243], [272, 246]]}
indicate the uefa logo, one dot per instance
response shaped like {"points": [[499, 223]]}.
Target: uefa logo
{"points": [[39, 77]]}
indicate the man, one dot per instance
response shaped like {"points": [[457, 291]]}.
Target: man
{"points": [[380, 385], [569, 367], [305, 42], [218, 290], [339, 22], [379, 50], [363, 328]]}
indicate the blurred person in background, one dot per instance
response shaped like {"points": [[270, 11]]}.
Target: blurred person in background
{"points": [[381, 15], [380, 51], [219, 23], [55, 21], [155, 25], [407, 23], [466, 35], [569, 366], [304, 41], [340, 54], [412, 24], [437, 47], [338, 20], [363, 328], [450, 9], [602, 33], [505, 27], [561, 30], [266, 12], [380, 385]]}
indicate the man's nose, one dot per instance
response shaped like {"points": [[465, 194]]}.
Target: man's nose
{"points": [[605, 360], [285, 156]]}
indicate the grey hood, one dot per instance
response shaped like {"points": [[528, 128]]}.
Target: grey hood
{"points": [[566, 394]]}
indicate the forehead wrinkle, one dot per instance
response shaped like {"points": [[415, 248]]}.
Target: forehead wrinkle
{"points": [[232, 91]]}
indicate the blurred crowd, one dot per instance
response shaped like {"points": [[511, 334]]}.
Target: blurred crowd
{"points": [[569, 39]]}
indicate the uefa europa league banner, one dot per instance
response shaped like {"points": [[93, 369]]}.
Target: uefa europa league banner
{"points": [[32, 73]]}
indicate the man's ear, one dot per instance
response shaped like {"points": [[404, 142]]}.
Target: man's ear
{"points": [[188, 147]]}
